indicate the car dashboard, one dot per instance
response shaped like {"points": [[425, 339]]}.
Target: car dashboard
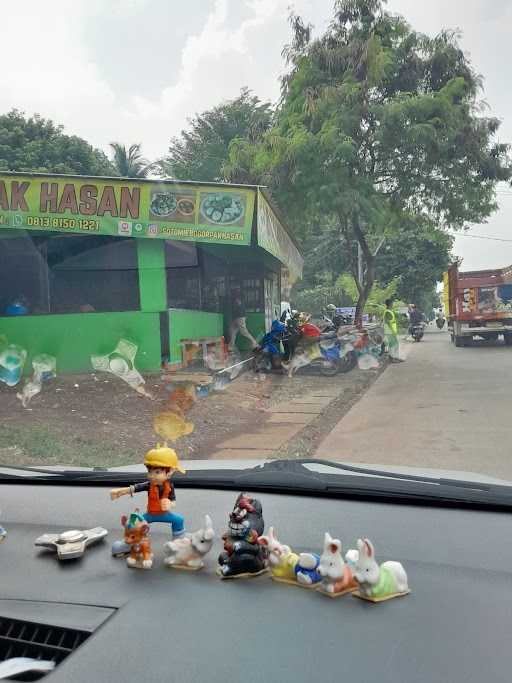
{"points": [[165, 624]]}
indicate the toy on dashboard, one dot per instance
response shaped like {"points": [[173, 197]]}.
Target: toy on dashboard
{"points": [[136, 536], [287, 566], [378, 583], [189, 552], [71, 544], [337, 577], [306, 570], [3, 533], [161, 462], [282, 560], [243, 556]]}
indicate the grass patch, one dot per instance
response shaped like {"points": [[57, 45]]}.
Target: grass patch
{"points": [[42, 445]]}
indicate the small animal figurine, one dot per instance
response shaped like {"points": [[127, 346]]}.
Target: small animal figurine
{"points": [[351, 557], [281, 559], [3, 532], [189, 552], [288, 567], [337, 577], [136, 536], [243, 556], [306, 570], [378, 583]]}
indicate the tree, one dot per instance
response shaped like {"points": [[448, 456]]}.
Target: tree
{"points": [[418, 255], [201, 152], [325, 260], [313, 299], [130, 163], [38, 145], [343, 292], [378, 125]]}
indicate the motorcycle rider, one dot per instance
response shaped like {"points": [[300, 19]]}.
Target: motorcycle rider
{"points": [[416, 317], [292, 336], [440, 319]]}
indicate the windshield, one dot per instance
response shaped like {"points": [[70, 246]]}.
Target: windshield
{"points": [[231, 235]]}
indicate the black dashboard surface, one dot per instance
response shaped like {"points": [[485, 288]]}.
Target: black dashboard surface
{"points": [[170, 626]]}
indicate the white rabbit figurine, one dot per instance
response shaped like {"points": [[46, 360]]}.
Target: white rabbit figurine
{"points": [[281, 559], [351, 557], [189, 552], [287, 566], [377, 583], [337, 577]]}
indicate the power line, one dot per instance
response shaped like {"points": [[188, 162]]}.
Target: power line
{"points": [[480, 237]]}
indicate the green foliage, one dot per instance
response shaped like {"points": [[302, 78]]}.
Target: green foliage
{"points": [[314, 299], [38, 145], [325, 255], [378, 294], [418, 254], [130, 163], [201, 152], [378, 127], [343, 292]]}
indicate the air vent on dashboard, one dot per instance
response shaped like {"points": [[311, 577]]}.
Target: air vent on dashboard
{"points": [[19, 638]]}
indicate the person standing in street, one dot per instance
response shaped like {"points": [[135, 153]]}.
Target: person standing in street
{"points": [[239, 324], [391, 332]]}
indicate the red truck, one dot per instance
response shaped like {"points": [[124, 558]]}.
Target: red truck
{"points": [[479, 304]]}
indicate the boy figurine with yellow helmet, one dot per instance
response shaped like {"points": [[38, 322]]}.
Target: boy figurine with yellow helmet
{"points": [[161, 462]]}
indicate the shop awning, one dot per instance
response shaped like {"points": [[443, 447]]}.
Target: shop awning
{"points": [[274, 238]]}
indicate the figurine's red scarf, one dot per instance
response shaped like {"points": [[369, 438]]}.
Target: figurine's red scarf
{"points": [[154, 497]]}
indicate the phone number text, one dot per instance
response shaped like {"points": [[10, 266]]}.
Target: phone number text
{"points": [[63, 223]]}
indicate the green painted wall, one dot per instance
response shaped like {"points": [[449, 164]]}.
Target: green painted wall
{"points": [[73, 338], [152, 277], [186, 324]]}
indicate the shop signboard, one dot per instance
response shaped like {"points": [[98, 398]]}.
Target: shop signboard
{"points": [[273, 238], [106, 206]]}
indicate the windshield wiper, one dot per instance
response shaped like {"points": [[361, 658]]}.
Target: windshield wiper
{"points": [[293, 477], [287, 465]]}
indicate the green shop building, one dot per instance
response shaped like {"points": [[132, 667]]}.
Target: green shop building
{"points": [[86, 261]]}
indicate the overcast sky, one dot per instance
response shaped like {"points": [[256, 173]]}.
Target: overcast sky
{"points": [[135, 70]]}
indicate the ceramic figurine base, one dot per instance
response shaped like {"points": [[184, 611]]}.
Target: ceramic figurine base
{"points": [[245, 575], [289, 582], [139, 564], [184, 567], [357, 594], [337, 595]]}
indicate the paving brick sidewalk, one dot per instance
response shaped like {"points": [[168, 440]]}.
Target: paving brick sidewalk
{"points": [[279, 425]]}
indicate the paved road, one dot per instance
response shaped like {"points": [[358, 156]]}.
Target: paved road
{"points": [[443, 408]]}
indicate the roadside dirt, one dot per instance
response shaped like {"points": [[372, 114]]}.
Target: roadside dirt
{"points": [[97, 420]]}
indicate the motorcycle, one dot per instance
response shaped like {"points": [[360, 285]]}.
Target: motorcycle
{"points": [[267, 355], [417, 331], [333, 324], [332, 354], [440, 322]]}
